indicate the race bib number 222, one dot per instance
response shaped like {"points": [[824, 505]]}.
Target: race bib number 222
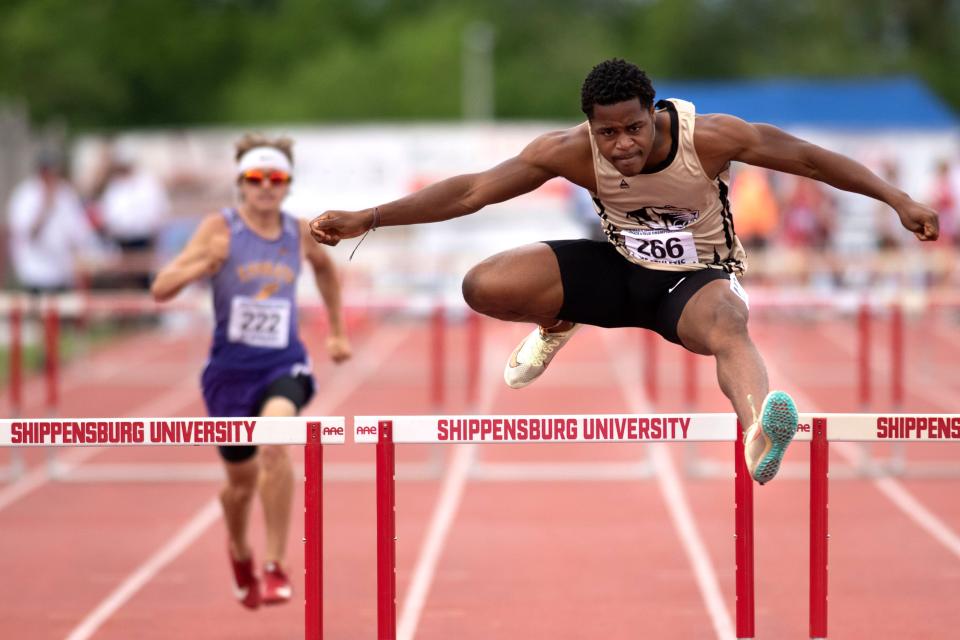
{"points": [[259, 323]]}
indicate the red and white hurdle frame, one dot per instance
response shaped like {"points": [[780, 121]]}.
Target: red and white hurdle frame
{"points": [[310, 432], [50, 311], [824, 428], [386, 431], [818, 429]]}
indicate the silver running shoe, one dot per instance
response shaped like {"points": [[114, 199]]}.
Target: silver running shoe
{"points": [[532, 356]]}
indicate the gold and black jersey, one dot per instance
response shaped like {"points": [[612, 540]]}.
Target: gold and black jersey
{"points": [[672, 216]]}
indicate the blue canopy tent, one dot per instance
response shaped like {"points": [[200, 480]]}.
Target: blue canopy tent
{"points": [[851, 104]]}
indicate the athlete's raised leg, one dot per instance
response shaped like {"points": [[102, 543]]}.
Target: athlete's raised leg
{"points": [[519, 285], [714, 322], [523, 285]]}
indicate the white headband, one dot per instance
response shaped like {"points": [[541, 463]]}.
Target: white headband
{"points": [[264, 158]]}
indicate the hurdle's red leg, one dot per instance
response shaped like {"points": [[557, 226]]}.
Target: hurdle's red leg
{"points": [[313, 532], [386, 535], [51, 325], [863, 353], [744, 540], [16, 360], [438, 373], [474, 352], [819, 466], [690, 379], [896, 355]]}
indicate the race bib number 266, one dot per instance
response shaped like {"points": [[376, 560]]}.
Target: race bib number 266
{"points": [[669, 247], [259, 323]]}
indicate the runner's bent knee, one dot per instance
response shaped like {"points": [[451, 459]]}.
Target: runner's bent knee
{"points": [[483, 288], [520, 282], [242, 478], [727, 326]]}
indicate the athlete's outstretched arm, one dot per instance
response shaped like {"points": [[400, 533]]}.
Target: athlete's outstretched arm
{"points": [[328, 284], [767, 146], [202, 257], [450, 198]]}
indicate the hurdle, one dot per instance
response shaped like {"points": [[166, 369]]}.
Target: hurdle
{"points": [[387, 431], [310, 432], [50, 311], [862, 428], [13, 307]]}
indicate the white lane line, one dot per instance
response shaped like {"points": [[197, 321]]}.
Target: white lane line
{"points": [[377, 352], [681, 515], [192, 530], [448, 503], [907, 503], [433, 544], [39, 476], [889, 487]]}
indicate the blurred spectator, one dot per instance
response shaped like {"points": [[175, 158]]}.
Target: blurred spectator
{"points": [[48, 229], [808, 215], [132, 208], [754, 207], [945, 199]]}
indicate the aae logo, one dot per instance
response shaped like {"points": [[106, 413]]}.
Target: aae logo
{"points": [[333, 431], [366, 431]]}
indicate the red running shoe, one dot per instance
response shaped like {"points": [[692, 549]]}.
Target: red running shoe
{"points": [[276, 585], [246, 585]]}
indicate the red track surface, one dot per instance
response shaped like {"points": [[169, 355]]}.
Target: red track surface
{"points": [[550, 558]]}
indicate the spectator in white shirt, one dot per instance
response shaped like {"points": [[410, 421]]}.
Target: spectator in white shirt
{"points": [[48, 229], [133, 207]]}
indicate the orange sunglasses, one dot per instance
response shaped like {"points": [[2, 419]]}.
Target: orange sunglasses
{"points": [[275, 177]]}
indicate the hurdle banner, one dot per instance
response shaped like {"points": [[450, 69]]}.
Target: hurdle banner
{"points": [[312, 432], [531, 428], [386, 431], [854, 427]]}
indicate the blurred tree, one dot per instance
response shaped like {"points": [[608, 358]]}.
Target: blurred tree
{"points": [[119, 63]]}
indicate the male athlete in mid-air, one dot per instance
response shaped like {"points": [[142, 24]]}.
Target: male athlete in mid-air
{"points": [[659, 176]]}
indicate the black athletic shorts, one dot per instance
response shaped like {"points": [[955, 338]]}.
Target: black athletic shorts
{"points": [[298, 389], [602, 288]]}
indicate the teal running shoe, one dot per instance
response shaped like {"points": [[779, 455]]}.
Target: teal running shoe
{"points": [[766, 440]]}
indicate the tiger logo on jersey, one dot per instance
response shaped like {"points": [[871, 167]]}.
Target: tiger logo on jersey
{"points": [[667, 217]]}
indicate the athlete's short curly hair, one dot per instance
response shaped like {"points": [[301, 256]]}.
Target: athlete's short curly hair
{"points": [[614, 81], [252, 140]]}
